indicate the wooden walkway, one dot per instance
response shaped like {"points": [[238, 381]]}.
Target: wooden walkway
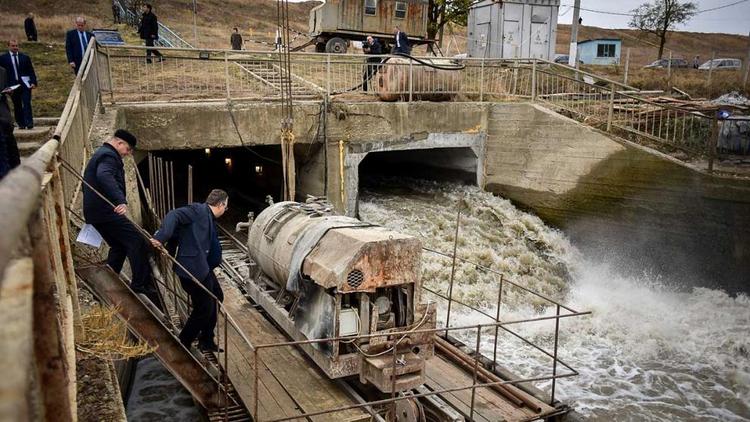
{"points": [[489, 406], [290, 384]]}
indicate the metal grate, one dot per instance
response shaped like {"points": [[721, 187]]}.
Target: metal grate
{"points": [[355, 278]]}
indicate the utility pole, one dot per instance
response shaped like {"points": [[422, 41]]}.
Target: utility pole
{"points": [[573, 54], [747, 65], [195, 23]]}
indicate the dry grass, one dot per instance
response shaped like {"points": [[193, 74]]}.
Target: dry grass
{"points": [[107, 337]]}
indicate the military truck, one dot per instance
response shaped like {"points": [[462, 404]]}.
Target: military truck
{"points": [[336, 23]]}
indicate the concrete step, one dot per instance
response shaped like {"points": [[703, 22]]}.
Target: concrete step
{"points": [[46, 121], [38, 133], [25, 149]]}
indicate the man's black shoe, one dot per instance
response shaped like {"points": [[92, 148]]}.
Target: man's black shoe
{"points": [[210, 348]]}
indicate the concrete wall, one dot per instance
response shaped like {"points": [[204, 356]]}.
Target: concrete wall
{"points": [[639, 208], [634, 203]]}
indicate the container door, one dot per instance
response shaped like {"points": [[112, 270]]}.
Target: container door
{"points": [[350, 15], [482, 35], [539, 41], [512, 40]]}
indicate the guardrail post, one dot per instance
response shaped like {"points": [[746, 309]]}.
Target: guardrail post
{"points": [[533, 80], [627, 67], [554, 357], [711, 70], [109, 76], [481, 81], [328, 74], [497, 319], [611, 106], [712, 143], [411, 79], [226, 73]]}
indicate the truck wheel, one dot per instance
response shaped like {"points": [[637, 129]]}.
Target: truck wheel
{"points": [[336, 45], [320, 47]]}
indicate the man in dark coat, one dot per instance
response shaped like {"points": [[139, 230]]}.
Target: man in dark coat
{"points": [[116, 12], [105, 172], [20, 71], [371, 47], [30, 27], [236, 39], [192, 230], [76, 41], [9, 157], [401, 44], [149, 31]]}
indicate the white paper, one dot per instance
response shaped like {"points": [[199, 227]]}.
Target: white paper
{"points": [[89, 236], [11, 88], [26, 81]]}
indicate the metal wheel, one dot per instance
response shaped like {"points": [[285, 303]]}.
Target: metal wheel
{"points": [[336, 45]]}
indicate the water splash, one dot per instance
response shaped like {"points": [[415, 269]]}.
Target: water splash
{"points": [[650, 351]]}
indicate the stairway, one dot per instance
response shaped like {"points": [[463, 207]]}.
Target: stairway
{"points": [[270, 74], [29, 140], [195, 372]]}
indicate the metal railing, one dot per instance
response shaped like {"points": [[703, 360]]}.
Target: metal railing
{"points": [[167, 37], [226, 75]]}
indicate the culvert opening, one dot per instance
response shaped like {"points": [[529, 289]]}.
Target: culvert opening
{"points": [[438, 164], [249, 175]]}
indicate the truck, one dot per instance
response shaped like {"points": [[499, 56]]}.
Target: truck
{"points": [[334, 24]]}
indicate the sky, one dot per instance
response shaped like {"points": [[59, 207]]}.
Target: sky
{"points": [[734, 19]]}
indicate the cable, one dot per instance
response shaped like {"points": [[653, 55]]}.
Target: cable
{"points": [[242, 141], [403, 336], [606, 12]]}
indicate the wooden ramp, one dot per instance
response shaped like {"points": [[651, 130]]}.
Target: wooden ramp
{"points": [[289, 383], [489, 406]]}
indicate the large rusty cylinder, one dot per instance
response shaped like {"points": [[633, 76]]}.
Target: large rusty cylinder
{"points": [[396, 78], [289, 240]]}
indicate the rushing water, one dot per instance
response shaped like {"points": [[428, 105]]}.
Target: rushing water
{"points": [[649, 351], [158, 397]]}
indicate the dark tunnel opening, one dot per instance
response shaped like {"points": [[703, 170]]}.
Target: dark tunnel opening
{"points": [[248, 175], [437, 164]]}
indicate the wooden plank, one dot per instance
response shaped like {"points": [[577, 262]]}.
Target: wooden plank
{"points": [[283, 368], [488, 405], [16, 337]]}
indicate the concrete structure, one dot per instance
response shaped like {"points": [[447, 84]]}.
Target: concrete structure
{"points": [[607, 194], [513, 28], [601, 51]]}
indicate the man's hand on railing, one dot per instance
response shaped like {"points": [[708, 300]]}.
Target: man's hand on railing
{"points": [[121, 209], [158, 246]]}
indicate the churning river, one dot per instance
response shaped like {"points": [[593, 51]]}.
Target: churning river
{"points": [[651, 350]]}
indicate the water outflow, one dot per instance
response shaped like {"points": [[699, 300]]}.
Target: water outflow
{"points": [[650, 351]]}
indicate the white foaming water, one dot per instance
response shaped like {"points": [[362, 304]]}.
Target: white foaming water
{"points": [[158, 397], [649, 351]]}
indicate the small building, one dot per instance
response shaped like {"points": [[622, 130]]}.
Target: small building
{"points": [[602, 51], [512, 29]]}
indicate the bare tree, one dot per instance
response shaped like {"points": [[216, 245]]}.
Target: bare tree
{"points": [[440, 12], [662, 16]]}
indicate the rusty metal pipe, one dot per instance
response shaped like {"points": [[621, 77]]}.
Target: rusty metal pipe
{"points": [[509, 392]]}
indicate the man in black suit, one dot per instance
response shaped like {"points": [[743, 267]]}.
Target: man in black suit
{"points": [[76, 41], [30, 27], [149, 31], [9, 157], [402, 42], [371, 47], [105, 172], [192, 230], [20, 71]]}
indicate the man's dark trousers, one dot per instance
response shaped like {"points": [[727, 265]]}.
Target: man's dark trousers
{"points": [[150, 43], [22, 107], [202, 320], [125, 241]]}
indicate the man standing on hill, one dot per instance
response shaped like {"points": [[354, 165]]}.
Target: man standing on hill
{"points": [[9, 157], [149, 31], [30, 27], [20, 71], [696, 62], [236, 39], [105, 174], [76, 41], [192, 231], [116, 12]]}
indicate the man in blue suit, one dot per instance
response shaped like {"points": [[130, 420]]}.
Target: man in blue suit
{"points": [[402, 42], [192, 231], [76, 41], [20, 71], [105, 172]]}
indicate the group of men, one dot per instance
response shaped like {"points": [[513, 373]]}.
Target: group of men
{"points": [[189, 233], [373, 47]]}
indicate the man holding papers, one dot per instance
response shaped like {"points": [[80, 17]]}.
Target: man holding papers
{"points": [[20, 71]]}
